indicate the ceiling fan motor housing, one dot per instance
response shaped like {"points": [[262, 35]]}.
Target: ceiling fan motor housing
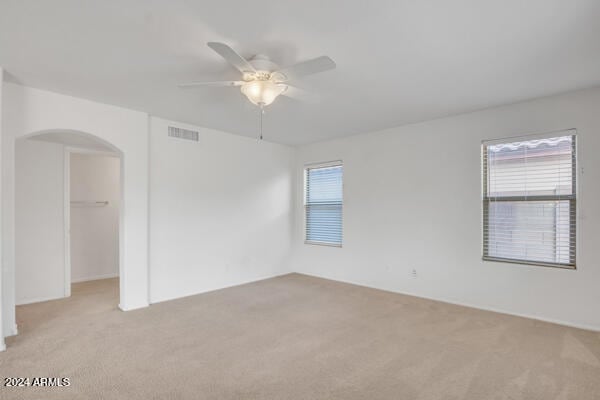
{"points": [[261, 63]]}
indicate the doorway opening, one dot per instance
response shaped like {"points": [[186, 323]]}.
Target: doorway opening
{"points": [[92, 220], [68, 218]]}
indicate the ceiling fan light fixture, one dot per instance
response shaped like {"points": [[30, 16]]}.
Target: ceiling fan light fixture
{"points": [[262, 80], [262, 92]]}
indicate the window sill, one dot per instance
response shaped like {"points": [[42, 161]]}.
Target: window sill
{"points": [[323, 243], [533, 263]]}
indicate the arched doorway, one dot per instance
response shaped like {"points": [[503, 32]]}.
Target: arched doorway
{"points": [[60, 176], [30, 112], [133, 218]]}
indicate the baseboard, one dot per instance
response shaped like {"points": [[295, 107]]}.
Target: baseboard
{"points": [[470, 305], [95, 278], [131, 308], [13, 331], [155, 301], [38, 300]]}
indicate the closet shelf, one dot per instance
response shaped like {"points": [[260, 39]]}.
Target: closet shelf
{"points": [[85, 203]]}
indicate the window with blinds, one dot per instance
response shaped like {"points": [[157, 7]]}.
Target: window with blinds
{"points": [[323, 202], [529, 200]]}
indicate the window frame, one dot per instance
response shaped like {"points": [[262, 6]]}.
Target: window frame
{"points": [[317, 165], [572, 198]]}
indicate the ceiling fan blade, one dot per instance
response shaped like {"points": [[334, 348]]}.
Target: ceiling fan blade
{"points": [[302, 95], [193, 85], [231, 56], [309, 67]]}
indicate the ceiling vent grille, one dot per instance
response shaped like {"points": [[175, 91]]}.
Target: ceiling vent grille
{"points": [[181, 133]]}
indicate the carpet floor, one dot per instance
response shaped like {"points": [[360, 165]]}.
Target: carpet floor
{"points": [[294, 337]]}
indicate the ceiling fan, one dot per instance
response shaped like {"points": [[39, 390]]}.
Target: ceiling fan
{"points": [[262, 80]]}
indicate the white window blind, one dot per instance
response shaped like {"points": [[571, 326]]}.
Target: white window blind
{"points": [[529, 200], [323, 203]]}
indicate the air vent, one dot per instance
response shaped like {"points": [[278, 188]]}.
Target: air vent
{"points": [[181, 133]]}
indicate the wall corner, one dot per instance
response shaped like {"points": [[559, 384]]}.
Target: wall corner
{"points": [[2, 344]]}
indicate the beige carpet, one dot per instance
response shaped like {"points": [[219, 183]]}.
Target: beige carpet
{"points": [[294, 337]]}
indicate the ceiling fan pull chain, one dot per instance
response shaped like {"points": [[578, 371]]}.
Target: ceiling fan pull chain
{"points": [[262, 111]]}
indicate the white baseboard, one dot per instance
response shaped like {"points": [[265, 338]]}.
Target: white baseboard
{"points": [[37, 300], [13, 331], [95, 278], [470, 305], [134, 307], [41, 299], [160, 300]]}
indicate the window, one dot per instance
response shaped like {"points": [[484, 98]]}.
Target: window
{"points": [[323, 202], [529, 200]]}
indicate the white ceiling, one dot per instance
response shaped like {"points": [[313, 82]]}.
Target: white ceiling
{"points": [[398, 61]]}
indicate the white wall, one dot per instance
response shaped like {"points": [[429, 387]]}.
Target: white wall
{"points": [[94, 229], [220, 211], [2, 299], [27, 111], [413, 200], [39, 221]]}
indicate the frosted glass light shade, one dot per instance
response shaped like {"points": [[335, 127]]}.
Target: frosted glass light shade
{"points": [[262, 92]]}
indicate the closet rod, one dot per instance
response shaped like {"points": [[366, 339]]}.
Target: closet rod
{"points": [[84, 203]]}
